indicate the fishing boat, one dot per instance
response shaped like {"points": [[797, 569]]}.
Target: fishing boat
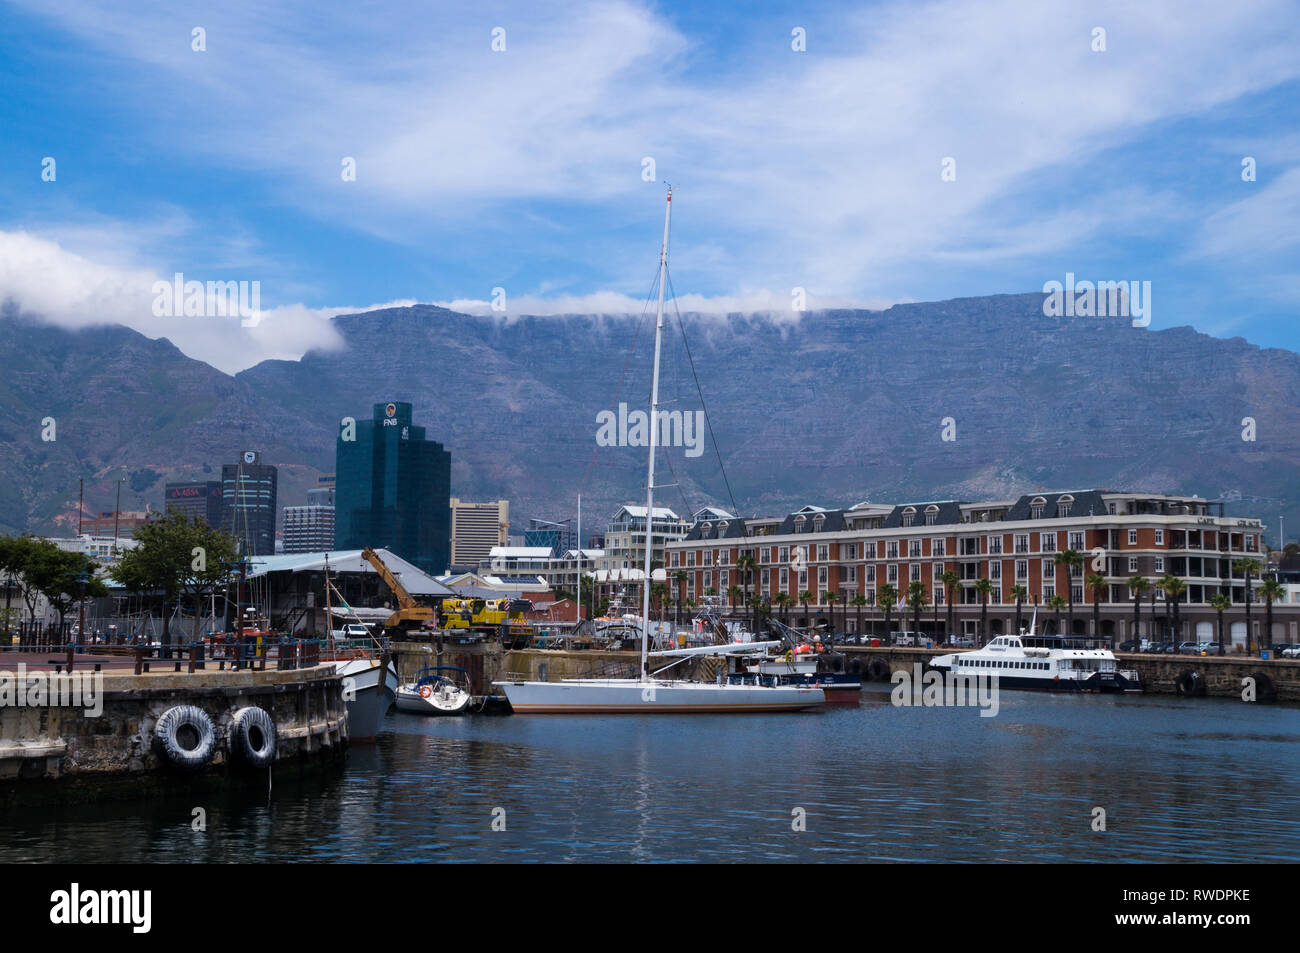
{"points": [[649, 693], [439, 690]]}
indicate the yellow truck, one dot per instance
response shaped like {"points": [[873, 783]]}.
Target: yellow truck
{"points": [[503, 617]]}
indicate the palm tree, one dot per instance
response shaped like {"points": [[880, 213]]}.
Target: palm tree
{"points": [[1097, 582], [1174, 588], [1270, 589], [747, 566], [858, 601], [1070, 559], [951, 579], [1020, 594], [805, 597], [733, 593], [785, 601], [680, 578], [1220, 604], [1247, 567], [1138, 585], [983, 587], [918, 599], [831, 599], [1056, 603], [886, 597]]}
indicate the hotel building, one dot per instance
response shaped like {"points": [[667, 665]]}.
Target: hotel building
{"points": [[1009, 542]]}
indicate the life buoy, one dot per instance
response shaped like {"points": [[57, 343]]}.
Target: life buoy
{"points": [[426, 691], [253, 737], [185, 736]]}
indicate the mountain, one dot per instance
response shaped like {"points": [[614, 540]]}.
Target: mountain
{"points": [[828, 407]]}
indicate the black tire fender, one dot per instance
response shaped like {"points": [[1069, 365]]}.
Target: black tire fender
{"points": [[1189, 684], [185, 736], [253, 738]]}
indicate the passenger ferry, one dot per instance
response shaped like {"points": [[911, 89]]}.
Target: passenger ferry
{"points": [[1043, 663]]}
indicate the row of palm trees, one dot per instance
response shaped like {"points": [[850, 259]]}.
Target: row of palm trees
{"points": [[917, 598]]}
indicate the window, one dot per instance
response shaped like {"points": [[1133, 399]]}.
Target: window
{"points": [[1160, 537], [850, 551], [1036, 507], [870, 596], [803, 579], [915, 575], [931, 515], [995, 545], [1022, 542], [870, 574], [823, 552], [937, 547], [672, 559], [785, 554], [1049, 590], [995, 570], [850, 573], [909, 514], [690, 558], [938, 570], [1132, 564], [1132, 537], [821, 578], [799, 522], [1022, 569], [1076, 541], [914, 549], [891, 549], [1049, 569], [785, 578], [1063, 505], [705, 557], [1076, 593], [892, 574], [1047, 542], [1160, 564]]}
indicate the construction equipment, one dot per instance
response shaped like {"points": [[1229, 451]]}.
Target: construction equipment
{"points": [[503, 617], [410, 614]]}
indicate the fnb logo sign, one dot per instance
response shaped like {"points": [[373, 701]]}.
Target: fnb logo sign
{"points": [[390, 415]]}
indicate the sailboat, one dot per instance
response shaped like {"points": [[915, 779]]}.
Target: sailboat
{"points": [[651, 694]]}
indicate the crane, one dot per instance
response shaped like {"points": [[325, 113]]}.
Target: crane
{"points": [[409, 613]]}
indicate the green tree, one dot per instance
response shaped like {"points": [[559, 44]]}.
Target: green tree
{"points": [[60, 576], [886, 599], [1247, 567], [858, 601], [1270, 589], [1056, 603], [1138, 585], [983, 587], [1071, 559], [917, 599], [831, 598], [951, 579], [733, 593], [806, 597], [161, 563], [746, 565], [1220, 603], [1097, 582], [1020, 594], [1174, 589]]}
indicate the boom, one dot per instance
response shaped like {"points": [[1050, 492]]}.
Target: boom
{"points": [[410, 611]]}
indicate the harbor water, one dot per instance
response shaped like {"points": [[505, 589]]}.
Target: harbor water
{"points": [[1179, 780]]}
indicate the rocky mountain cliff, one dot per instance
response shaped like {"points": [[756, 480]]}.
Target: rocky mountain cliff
{"points": [[831, 408]]}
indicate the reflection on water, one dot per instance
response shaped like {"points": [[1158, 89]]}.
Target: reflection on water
{"points": [[1179, 780]]}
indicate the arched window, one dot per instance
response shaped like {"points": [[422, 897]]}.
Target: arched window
{"points": [[931, 515], [1063, 505], [1036, 507]]}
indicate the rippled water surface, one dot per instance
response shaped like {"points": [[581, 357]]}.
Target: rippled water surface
{"points": [[1179, 780]]}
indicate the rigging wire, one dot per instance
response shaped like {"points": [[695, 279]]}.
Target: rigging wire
{"points": [[699, 390]]}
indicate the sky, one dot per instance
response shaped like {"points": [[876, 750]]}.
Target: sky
{"points": [[806, 143]]}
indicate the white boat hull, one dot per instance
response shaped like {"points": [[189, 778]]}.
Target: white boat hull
{"points": [[455, 702], [370, 700], [632, 696]]}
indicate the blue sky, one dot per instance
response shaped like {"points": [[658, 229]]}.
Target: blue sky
{"points": [[522, 169]]}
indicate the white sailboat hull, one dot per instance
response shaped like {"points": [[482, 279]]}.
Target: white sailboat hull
{"points": [[632, 696], [370, 700]]}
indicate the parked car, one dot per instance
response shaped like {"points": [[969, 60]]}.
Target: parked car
{"points": [[1210, 648], [353, 630], [1129, 646], [961, 642], [1291, 651], [1189, 648]]}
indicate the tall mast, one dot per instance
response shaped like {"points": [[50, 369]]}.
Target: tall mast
{"points": [[654, 435], [577, 619]]}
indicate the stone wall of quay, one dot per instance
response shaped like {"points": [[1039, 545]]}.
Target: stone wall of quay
{"points": [[63, 752]]}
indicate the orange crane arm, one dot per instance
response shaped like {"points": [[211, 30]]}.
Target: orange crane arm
{"points": [[403, 597]]}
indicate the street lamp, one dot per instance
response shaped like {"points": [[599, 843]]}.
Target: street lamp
{"points": [[83, 577]]}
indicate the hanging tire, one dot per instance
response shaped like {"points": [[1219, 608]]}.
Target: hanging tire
{"points": [[253, 739], [1189, 684], [185, 736], [878, 670], [1265, 690], [855, 666]]}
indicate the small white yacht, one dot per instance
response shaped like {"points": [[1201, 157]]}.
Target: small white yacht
{"points": [[1043, 663]]}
